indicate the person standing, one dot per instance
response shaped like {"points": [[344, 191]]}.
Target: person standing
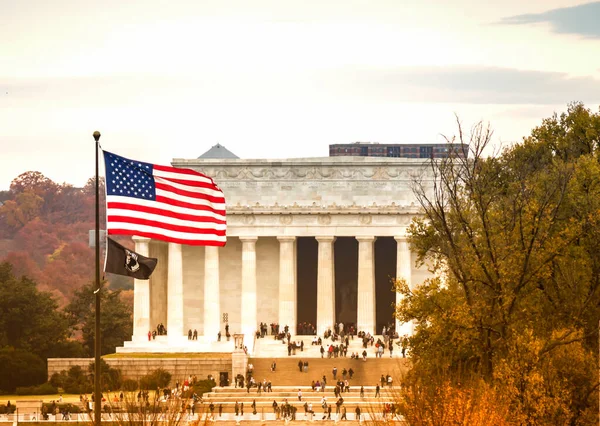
{"points": [[300, 364], [237, 408], [299, 394], [377, 391], [357, 411]]}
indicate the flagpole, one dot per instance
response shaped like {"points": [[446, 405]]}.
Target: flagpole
{"points": [[97, 351]]}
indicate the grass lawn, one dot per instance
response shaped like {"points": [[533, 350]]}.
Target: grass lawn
{"points": [[170, 355]]}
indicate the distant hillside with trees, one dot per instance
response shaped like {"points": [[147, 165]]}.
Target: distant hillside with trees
{"points": [[44, 233]]}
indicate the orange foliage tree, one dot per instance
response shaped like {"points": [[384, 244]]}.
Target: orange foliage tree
{"points": [[514, 240]]}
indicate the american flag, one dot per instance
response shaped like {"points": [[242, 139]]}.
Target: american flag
{"points": [[161, 202]]}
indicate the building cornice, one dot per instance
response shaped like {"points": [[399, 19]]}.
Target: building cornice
{"points": [[296, 209]]}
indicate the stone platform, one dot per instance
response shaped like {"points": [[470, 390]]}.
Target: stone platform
{"points": [[266, 347], [166, 344]]}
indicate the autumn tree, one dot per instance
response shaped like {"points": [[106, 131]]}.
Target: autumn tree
{"points": [[513, 240]]}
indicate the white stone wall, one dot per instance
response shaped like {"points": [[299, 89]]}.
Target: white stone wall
{"points": [[193, 288]]}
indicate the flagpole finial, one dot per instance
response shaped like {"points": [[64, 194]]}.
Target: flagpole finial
{"points": [[97, 135]]}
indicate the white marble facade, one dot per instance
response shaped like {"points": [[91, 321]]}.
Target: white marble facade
{"points": [[270, 204]]}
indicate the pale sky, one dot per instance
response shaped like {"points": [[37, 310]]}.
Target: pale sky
{"points": [[278, 79]]}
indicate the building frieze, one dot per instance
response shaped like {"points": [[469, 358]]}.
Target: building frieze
{"points": [[323, 210], [258, 173]]}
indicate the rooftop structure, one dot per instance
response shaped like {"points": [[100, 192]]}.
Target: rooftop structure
{"points": [[218, 151], [374, 149]]}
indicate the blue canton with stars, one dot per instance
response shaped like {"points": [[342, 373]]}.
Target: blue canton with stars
{"points": [[128, 178]]}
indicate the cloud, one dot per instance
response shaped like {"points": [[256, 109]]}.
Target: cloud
{"points": [[466, 84], [455, 84], [582, 20]]}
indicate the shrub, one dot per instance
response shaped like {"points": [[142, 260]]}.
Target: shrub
{"points": [[156, 379], [58, 380], [74, 381], [20, 368], [111, 377], [43, 389], [71, 408], [203, 386], [6, 410]]}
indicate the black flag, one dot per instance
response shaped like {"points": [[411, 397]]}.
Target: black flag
{"points": [[122, 261]]}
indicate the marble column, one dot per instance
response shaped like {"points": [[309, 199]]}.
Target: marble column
{"points": [[365, 316], [403, 271], [212, 303], [325, 285], [141, 296], [287, 284], [248, 299], [174, 324]]}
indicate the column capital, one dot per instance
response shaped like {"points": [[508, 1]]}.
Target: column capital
{"points": [[290, 238], [139, 239], [248, 239], [365, 238], [401, 238], [325, 239]]}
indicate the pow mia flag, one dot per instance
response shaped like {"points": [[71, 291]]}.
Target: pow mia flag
{"points": [[122, 261]]}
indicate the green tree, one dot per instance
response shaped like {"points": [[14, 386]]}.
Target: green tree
{"points": [[20, 368], [514, 242], [29, 319], [116, 324]]}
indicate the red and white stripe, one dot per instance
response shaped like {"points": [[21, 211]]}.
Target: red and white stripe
{"points": [[189, 209]]}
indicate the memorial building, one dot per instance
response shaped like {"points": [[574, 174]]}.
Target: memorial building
{"points": [[309, 240]]}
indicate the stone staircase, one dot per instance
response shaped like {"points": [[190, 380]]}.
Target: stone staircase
{"points": [[366, 373], [226, 398]]}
